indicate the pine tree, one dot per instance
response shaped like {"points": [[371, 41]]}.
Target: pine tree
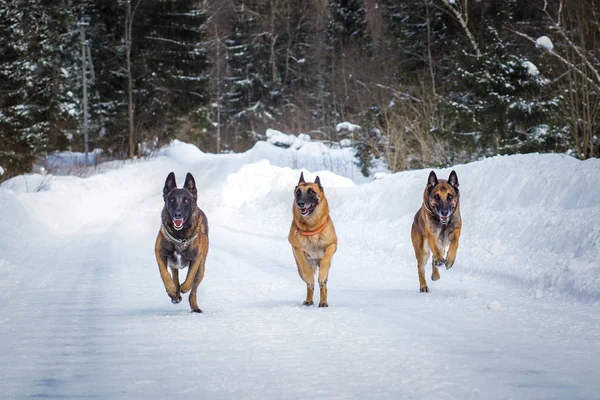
{"points": [[36, 80], [169, 66], [500, 99], [248, 90], [347, 39]]}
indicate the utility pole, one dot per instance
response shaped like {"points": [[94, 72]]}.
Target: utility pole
{"points": [[82, 24]]}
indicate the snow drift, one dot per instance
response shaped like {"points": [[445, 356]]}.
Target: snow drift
{"points": [[529, 219], [84, 313]]}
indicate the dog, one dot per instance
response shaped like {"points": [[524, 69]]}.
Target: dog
{"points": [[182, 240], [312, 237], [436, 226]]}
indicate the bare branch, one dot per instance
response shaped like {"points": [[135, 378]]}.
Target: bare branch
{"points": [[563, 60], [463, 22]]}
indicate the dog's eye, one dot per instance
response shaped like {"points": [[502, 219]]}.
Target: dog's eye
{"points": [[185, 201], [172, 200], [450, 197], [437, 197], [298, 193], [310, 191]]}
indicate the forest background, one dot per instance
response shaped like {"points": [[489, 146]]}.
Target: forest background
{"points": [[429, 82]]}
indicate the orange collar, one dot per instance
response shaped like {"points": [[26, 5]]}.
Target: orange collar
{"points": [[310, 233]]}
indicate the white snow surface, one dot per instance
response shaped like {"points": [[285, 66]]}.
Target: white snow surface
{"points": [[545, 42], [84, 313]]}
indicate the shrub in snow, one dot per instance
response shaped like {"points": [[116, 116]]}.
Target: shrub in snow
{"points": [[281, 139], [346, 126], [346, 143], [503, 97], [304, 137], [532, 69]]}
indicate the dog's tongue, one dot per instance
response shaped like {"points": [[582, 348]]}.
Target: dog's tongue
{"points": [[178, 223]]}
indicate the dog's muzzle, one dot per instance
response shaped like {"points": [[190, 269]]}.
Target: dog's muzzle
{"points": [[444, 219], [305, 208], [178, 223]]}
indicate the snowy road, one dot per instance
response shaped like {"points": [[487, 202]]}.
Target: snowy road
{"points": [[84, 314]]}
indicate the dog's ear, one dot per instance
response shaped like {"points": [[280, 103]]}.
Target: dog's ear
{"points": [[432, 181], [301, 178], [170, 184], [453, 180], [318, 182], [190, 184]]}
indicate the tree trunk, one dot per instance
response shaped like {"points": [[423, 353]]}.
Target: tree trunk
{"points": [[128, 35], [218, 87]]}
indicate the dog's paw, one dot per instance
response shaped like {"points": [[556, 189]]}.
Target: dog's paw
{"points": [[439, 263], [424, 289], [308, 303], [449, 265], [175, 299], [435, 275], [323, 304], [185, 288], [196, 310]]}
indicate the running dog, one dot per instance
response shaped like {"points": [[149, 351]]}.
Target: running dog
{"points": [[182, 240], [436, 226], [312, 237]]}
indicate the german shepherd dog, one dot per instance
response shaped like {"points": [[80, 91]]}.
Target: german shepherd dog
{"points": [[312, 237], [437, 225], [182, 240]]}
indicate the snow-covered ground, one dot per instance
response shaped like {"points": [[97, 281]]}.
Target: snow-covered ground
{"points": [[84, 313]]}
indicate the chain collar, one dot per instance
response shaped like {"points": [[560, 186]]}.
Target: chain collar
{"points": [[183, 242]]}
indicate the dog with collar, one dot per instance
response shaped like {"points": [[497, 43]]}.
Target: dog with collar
{"points": [[312, 237], [182, 240], [437, 226]]}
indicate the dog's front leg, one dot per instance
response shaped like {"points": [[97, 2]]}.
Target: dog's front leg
{"points": [[438, 254], [324, 273], [454, 236], [197, 279], [189, 279], [175, 274], [306, 273], [172, 289]]}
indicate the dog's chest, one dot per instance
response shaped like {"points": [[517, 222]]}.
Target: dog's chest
{"points": [[313, 250], [178, 260], [443, 237]]}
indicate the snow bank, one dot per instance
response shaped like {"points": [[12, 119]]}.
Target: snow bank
{"points": [[17, 225], [307, 154], [529, 220], [182, 152]]}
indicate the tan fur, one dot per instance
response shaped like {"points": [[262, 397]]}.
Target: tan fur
{"points": [[429, 234], [195, 272], [316, 250]]}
